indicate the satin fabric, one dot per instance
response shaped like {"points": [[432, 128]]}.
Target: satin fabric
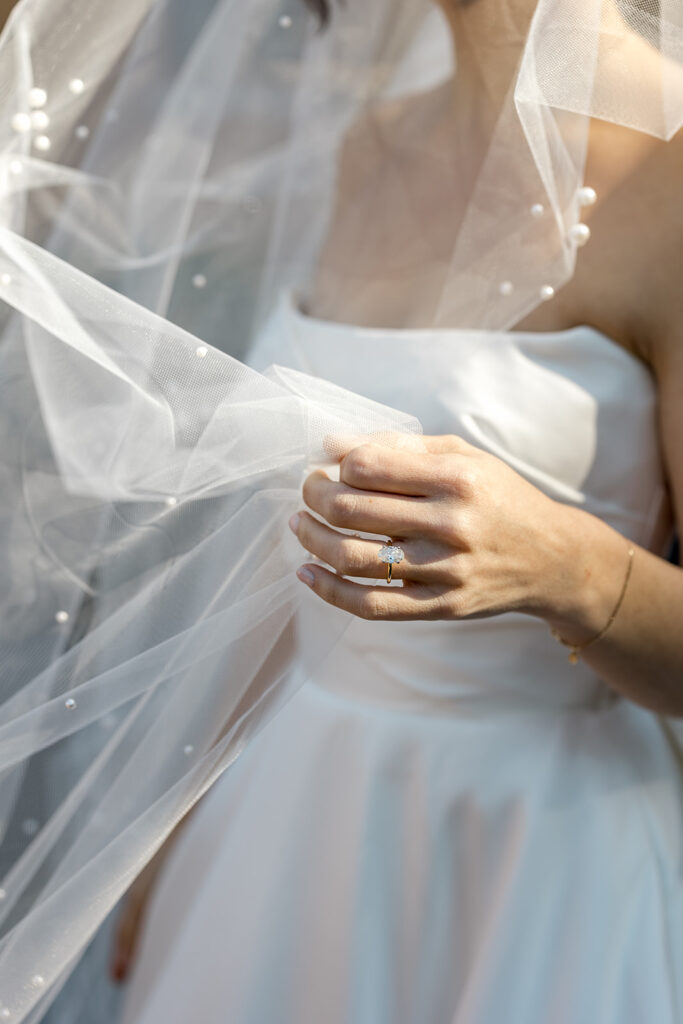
{"points": [[449, 823]]}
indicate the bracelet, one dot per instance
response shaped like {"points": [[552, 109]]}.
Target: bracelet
{"points": [[576, 649]]}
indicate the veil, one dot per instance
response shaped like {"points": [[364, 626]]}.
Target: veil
{"points": [[168, 172]]}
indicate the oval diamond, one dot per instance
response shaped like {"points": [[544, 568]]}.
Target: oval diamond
{"points": [[391, 554]]}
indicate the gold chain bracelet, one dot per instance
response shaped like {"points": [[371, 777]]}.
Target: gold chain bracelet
{"points": [[576, 649]]}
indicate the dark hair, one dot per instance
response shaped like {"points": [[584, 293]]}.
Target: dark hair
{"points": [[321, 8]]}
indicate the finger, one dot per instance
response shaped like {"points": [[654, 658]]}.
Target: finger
{"points": [[423, 561], [390, 604], [366, 511], [372, 467], [339, 445]]}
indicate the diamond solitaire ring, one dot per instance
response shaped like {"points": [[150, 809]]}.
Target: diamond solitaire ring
{"points": [[391, 555]]}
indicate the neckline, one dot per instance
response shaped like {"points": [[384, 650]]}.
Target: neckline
{"points": [[309, 322]]}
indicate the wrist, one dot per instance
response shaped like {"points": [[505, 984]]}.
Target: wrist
{"points": [[584, 576]]}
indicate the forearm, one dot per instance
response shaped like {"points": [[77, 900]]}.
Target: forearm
{"points": [[641, 654]]}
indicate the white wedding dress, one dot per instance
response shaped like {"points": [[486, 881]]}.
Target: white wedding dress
{"points": [[450, 823]]}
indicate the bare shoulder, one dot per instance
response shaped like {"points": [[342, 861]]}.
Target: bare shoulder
{"points": [[665, 354], [628, 280], [661, 205], [646, 173]]}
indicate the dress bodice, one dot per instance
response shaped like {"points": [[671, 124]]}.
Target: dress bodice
{"points": [[448, 823], [571, 411]]}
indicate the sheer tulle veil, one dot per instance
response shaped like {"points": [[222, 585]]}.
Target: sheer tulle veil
{"points": [[167, 173]]}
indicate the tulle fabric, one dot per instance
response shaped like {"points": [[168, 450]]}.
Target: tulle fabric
{"points": [[166, 172]]}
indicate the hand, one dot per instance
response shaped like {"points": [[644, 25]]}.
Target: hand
{"points": [[478, 539]]}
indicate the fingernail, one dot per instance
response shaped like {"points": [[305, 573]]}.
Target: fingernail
{"points": [[306, 576], [294, 522]]}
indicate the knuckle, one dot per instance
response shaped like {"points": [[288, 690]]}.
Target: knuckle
{"points": [[460, 570], [466, 480], [342, 508], [458, 443], [334, 595], [373, 605], [457, 571], [350, 558], [455, 531], [459, 477], [445, 529], [463, 532], [454, 604], [361, 463]]}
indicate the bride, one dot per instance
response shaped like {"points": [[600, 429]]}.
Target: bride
{"points": [[471, 812]]}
